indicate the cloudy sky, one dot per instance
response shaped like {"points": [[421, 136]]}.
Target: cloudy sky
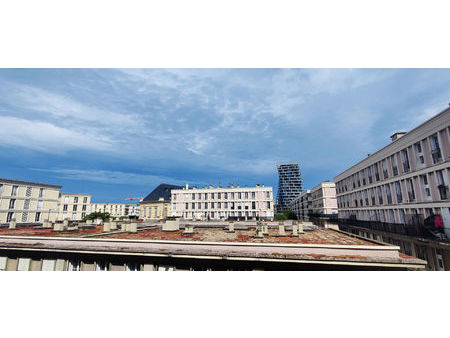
{"points": [[117, 133]]}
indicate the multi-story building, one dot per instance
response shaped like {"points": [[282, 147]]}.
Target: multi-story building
{"points": [[405, 184], [156, 205], [323, 199], [133, 210], [114, 209], [290, 184], [302, 205], [223, 203], [73, 206], [28, 202]]}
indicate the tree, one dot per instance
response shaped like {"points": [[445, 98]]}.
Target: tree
{"points": [[285, 215], [94, 215]]}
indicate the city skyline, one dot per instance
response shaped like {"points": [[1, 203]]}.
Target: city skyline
{"points": [[117, 133]]}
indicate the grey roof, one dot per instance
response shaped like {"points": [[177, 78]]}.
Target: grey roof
{"points": [[4, 180], [163, 190]]}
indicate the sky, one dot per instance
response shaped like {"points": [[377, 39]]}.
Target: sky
{"points": [[118, 133]]}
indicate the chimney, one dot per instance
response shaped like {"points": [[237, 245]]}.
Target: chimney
{"points": [[187, 186], [397, 135], [12, 224]]}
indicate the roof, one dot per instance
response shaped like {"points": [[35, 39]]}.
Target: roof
{"points": [[161, 191], [5, 180], [318, 246]]}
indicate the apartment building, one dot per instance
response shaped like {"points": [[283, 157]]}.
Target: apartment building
{"points": [[73, 206], [323, 199], [231, 202], [405, 182], [156, 205], [114, 209], [302, 205], [28, 202], [290, 184]]}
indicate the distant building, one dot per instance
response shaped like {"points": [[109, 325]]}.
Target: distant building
{"points": [[157, 204], [302, 205], [323, 199], [28, 202], [223, 203], [73, 206], [114, 209], [290, 185]]}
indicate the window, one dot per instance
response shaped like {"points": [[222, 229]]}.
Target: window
{"points": [[411, 194], [193, 196], [133, 267], [14, 190], [232, 195], [174, 197], [165, 268], [385, 171], [239, 196], [442, 187], [219, 196], [394, 165], [357, 178], [84, 207], [26, 204], [435, 149], [23, 264], [268, 205], [369, 175], [101, 266], [12, 203], [363, 176], [48, 265], [3, 263], [212, 205], [75, 207], [74, 216], [218, 205], [1, 189], [9, 217], [206, 196], [83, 214], [39, 205], [366, 197], [267, 194], [388, 194], [66, 200], [41, 192], [193, 206], [253, 195], [419, 155], [398, 191], [212, 195], [206, 205], [377, 174], [74, 265], [253, 205], [226, 195], [65, 207], [28, 192], [426, 187], [199, 196], [85, 200], [187, 206], [405, 161], [232, 205], [199, 205], [246, 195], [24, 217], [372, 196]]}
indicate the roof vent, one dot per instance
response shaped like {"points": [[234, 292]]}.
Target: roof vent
{"points": [[397, 135]]}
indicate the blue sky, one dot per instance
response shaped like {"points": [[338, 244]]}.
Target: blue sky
{"points": [[116, 133]]}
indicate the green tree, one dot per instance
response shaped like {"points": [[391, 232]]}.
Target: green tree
{"points": [[105, 216]]}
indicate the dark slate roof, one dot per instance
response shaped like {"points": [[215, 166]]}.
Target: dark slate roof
{"points": [[162, 190], [8, 181]]}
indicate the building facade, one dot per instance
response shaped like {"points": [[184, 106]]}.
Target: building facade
{"points": [[290, 185], [302, 205], [323, 199], [406, 182], [73, 206], [156, 205], [28, 202], [114, 209], [223, 203]]}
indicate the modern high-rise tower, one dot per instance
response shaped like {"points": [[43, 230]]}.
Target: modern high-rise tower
{"points": [[290, 184]]}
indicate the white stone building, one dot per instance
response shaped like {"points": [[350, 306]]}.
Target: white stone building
{"points": [[28, 202], [73, 206], [223, 203], [114, 209]]}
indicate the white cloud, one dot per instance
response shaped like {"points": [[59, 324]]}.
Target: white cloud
{"points": [[48, 138]]}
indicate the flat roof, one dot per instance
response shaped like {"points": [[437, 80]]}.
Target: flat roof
{"points": [[5, 180], [318, 246]]}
